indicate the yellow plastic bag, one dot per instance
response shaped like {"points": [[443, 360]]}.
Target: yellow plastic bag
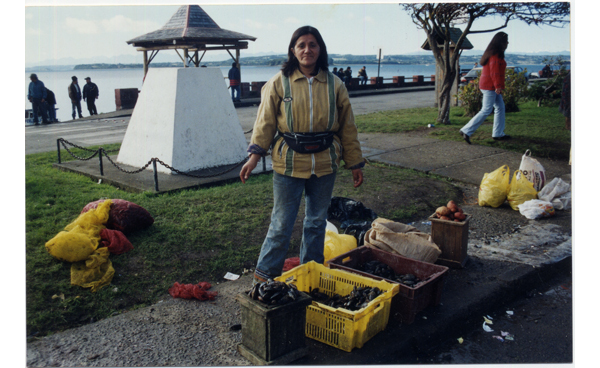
{"points": [[337, 244], [95, 272], [81, 237], [494, 187], [521, 190]]}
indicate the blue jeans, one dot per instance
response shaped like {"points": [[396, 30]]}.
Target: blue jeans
{"points": [[76, 105], [287, 193], [491, 102], [238, 94]]}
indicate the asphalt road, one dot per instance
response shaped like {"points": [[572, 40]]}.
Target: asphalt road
{"points": [[87, 133], [537, 328]]}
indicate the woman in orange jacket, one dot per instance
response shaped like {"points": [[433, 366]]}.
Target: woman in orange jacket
{"points": [[491, 85]]}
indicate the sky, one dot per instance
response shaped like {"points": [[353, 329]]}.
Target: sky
{"points": [[57, 33]]}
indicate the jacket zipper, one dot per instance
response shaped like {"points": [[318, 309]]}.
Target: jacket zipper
{"points": [[310, 97]]}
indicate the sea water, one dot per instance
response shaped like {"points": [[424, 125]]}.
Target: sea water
{"points": [[108, 80]]}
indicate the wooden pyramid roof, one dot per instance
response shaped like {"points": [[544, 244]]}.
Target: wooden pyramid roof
{"points": [[189, 26], [454, 36]]}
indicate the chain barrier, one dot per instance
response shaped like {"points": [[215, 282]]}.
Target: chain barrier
{"points": [[62, 142], [201, 176], [102, 152]]}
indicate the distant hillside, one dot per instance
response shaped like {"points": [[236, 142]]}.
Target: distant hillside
{"points": [[334, 60]]}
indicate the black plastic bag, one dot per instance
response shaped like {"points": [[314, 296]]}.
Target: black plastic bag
{"points": [[355, 218], [342, 209]]}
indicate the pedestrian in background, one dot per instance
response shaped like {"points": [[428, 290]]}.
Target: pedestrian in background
{"points": [[235, 82], [348, 76], [362, 74], [51, 101], [90, 94], [491, 84], [75, 96], [296, 103], [37, 96]]}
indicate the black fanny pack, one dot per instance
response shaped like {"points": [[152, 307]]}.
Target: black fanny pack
{"points": [[308, 142]]}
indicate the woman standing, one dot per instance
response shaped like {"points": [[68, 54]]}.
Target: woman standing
{"points": [[305, 117], [491, 85]]}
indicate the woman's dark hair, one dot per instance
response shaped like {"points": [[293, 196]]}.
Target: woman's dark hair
{"points": [[292, 63], [496, 47]]}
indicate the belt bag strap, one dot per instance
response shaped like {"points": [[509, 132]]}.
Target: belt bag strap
{"points": [[308, 142]]}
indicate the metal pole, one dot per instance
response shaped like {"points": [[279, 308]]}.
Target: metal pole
{"points": [[264, 160], [155, 175], [58, 149], [379, 63], [100, 158]]}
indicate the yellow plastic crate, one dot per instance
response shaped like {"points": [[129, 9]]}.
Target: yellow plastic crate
{"points": [[340, 327]]}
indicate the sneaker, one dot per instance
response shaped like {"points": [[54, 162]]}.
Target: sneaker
{"points": [[465, 137], [503, 138]]}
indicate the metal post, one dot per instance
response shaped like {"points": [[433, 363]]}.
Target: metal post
{"points": [[145, 63], [100, 158], [264, 160], [155, 175], [58, 149], [379, 63]]}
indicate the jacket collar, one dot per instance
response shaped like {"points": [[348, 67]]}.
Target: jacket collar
{"points": [[321, 75]]}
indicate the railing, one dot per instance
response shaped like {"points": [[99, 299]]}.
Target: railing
{"points": [[101, 152], [252, 89]]}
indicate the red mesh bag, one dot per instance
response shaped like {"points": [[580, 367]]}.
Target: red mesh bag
{"points": [[124, 216], [115, 241], [291, 263], [189, 291]]}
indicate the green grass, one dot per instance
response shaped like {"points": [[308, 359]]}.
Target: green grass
{"points": [[198, 235], [539, 129]]}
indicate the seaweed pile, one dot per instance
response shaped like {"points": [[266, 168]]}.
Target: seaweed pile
{"points": [[357, 299], [380, 269], [274, 292]]}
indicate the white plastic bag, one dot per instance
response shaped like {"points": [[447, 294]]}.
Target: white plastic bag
{"points": [[533, 171], [563, 202], [535, 208], [554, 189]]}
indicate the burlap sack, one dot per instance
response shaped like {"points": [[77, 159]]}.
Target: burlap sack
{"points": [[406, 240]]}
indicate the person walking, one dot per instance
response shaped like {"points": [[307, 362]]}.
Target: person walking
{"points": [[37, 96], [75, 96], [90, 94], [302, 102], [51, 101], [235, 82], [491, 84]]}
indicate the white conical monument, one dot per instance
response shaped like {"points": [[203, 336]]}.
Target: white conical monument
{"points": [[185, 118]]}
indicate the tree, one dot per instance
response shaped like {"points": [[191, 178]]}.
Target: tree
{"points": [[437, 19]]}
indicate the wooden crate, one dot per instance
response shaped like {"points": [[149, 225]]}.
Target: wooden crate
{"points": [[273, 335], [410, 300], [452, 238]]}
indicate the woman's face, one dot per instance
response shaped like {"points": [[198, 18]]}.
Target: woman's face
{"points": [[307, 51]]}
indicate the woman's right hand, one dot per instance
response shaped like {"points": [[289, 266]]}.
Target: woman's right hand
{"points": [[249, 166]]}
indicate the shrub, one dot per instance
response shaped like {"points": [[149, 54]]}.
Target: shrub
{"points": [[515, 89], [470, 97]]}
